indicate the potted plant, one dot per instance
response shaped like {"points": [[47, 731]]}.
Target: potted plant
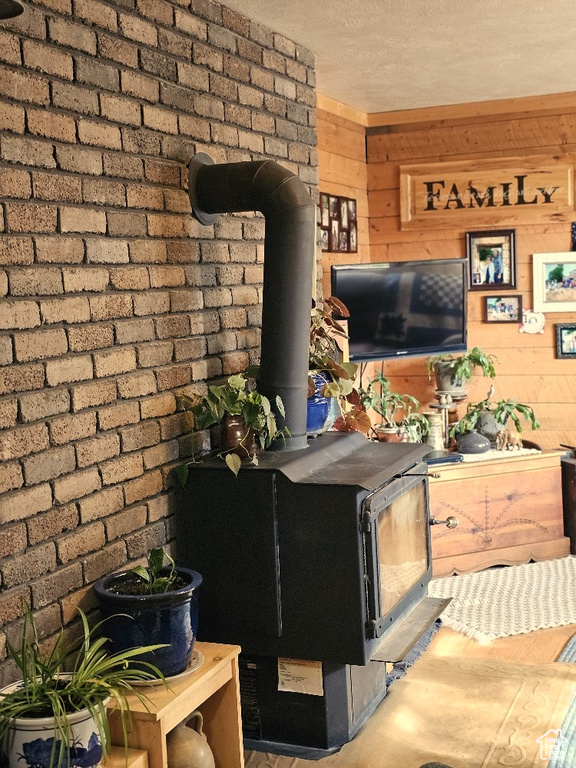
{"points": [[453, 372], [55, 716], [490, 418], [401, 421], [157, 604], [331, 390], [247, 421]]}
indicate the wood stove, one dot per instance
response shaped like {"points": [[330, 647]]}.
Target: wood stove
{"points": [[317, 563]]}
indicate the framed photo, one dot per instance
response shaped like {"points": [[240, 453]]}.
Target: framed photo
{"points": [[554, 280], [503, 309], [338, 224], [491, 260], [566, 340]]}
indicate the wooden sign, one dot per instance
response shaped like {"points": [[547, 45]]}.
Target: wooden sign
{"points": [[500, 192]]}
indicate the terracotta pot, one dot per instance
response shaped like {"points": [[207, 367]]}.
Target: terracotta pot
{"points": [[235, 438], [390, 434]]}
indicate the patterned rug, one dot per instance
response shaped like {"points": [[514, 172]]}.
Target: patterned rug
{"points": [[511, 600], [565, 755]]}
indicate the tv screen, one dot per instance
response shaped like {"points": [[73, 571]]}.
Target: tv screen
{"points": [[405, 308]]}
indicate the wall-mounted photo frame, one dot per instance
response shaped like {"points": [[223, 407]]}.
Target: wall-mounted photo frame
{"points": [[503, 309], [566, 340], [491, 259], [554, 281], [338, 225]]}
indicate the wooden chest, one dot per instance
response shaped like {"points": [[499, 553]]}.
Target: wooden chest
{"points": [[509, 511]]}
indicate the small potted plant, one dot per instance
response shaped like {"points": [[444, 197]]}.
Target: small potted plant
{"points": [[490, 418], [56, 715], [156, 604], [245, 416], [453, 372], [331, 390], [401, 421]]}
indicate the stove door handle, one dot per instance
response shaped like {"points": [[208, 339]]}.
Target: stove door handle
{"points": [[450, 522]]}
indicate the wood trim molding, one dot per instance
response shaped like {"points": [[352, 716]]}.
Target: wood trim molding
{"points": [[341, 110], [550, 102]]}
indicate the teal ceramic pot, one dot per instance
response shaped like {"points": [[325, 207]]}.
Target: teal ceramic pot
{"points": [[473, 442], [318, 411]]}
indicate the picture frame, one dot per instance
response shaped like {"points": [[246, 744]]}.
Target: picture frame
{"points": [[491, 259], [503, 308], [554, 282], [338, 224], [566, 341]]}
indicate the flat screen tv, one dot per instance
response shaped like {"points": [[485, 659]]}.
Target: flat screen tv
{"points": [[403, 309]]}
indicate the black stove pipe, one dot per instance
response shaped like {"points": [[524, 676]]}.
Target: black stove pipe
{"points": [[289, 251]]}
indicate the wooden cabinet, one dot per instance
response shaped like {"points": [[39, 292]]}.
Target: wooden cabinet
{"points": [[509, 511], [213, 689]]}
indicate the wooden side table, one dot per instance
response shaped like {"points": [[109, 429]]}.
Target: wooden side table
{"points": [[213, 689]]}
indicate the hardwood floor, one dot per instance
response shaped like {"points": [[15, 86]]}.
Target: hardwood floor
{"points": [[532, 648]]}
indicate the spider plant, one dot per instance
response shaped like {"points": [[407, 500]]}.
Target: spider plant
{"points": [[48, 690]]}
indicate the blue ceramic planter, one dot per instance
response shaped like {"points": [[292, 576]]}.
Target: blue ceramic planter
{"points": [[168, 617], [318, 410]]}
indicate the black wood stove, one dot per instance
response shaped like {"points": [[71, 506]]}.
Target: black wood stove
{"points": [[317, 560]]}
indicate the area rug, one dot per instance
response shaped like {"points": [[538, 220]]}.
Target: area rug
{"points": [[511, 600], [565, 755], [478, 713]]}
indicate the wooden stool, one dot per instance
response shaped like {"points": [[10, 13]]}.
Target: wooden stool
{"points": [[213, 689]]}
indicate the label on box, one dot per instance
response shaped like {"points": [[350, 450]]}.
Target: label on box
{"points": [[300, 676]]}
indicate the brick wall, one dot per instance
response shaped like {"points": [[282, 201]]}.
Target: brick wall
{"points": [[112, 298]]}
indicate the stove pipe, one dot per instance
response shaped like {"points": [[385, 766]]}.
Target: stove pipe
{"points": [[289, 258]]}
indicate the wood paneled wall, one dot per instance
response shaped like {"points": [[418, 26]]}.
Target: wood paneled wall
{"points": [[527, 367]]}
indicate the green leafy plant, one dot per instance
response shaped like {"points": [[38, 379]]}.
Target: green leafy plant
{"points": [[502, 410], [325, 351], [152, 580], [396, 410], [235, 398], [460, 368], [47, 689]]}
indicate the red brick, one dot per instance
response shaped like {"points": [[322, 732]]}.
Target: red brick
{"points": [[68, 370], [76, 485], [101, 504], [16, 250], [25, 503], [21, 378], [31, 217]]}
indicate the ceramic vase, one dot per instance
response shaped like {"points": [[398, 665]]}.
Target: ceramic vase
{"points": [[318, 407], [187, 747], [235, 438], [473, 442]]}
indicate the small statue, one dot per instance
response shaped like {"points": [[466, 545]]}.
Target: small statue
{"points": [[508, 439]]}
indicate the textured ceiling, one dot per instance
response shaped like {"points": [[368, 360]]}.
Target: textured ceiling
{"points": [[384, 55]]}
